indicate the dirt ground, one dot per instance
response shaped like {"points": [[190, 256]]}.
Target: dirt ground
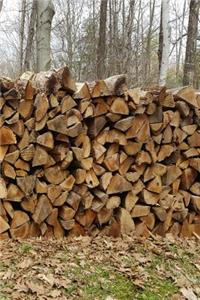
{"points": [[100, 268]]}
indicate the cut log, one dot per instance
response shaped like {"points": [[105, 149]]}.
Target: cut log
{"points": [[40, 157], [113, 202], [29, 204], [140, 211], [26, 184], [68, 183], [126, 222], [46, 140], [27, 154], [130, 201], [195, 163], [150, 198], [42, 210], [19, 218], [172, 174], [86, 218], [82, 91], [188, 95], [25, 108], [67, 104], [7, 137], [8, 170], [21, 232], [42, 105], [194, 139], [4, 226], [55, 175], [14, 193], [118, 184], [119, 106], [188, 177]]}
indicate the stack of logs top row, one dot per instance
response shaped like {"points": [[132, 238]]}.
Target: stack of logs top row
{"points": [[97, 158]]}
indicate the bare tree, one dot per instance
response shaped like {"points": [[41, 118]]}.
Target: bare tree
{"points": [[45, 13], [149, 36], [22, 37], [164, 58], [189, 66], [181, 39], [31, 30], [101, 50], [1, 5], [128, 35]]}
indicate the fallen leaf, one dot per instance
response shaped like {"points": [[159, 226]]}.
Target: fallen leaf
{"points": [[188, 294]]}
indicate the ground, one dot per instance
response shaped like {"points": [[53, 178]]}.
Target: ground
{"points": [[100, 268]]}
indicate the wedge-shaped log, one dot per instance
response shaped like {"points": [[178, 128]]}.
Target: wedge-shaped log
{"points": [[27, 184], [4, 226], [118, 184], [126, 222], [46, 139], [42, 210], [140, 211], [19, 218], [7, 137], [55, 175]]}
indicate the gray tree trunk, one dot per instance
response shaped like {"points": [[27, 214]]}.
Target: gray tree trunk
{"points": [[1, 5], [181, 39], [45, 13], [101, 51], [31, 30], [164, 61], [149, 37], [189, 66], [22, 27]]}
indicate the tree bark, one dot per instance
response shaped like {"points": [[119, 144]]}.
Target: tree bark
{"points": [[149, 37], [1, 5], [45, 13], [181, 40], [101, 51], [164, 60], [22, 27], [31, 30], [189, 66], [128, 36]]}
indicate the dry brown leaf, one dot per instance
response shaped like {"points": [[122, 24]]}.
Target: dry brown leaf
{"points": [[188, 293]]}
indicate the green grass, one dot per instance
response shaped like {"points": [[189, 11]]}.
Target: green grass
{"points": [[3, 295], [100, 281], [151, 275], [26, 248]]}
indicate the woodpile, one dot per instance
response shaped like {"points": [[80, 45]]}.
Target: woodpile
{"points": [[97, 158]]}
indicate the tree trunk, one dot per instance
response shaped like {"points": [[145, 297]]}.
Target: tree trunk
{"points": [[45, 13], [181, 40], [31, 30], [189, 67], [149, 37], [101, 51], [1, 5], [165, 46], [22, 27], [128, 36]]}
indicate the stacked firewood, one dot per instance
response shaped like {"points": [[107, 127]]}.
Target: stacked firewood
{"points": [[97, 158]]}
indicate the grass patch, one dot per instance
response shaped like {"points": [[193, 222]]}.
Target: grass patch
{"points": [[99, 282], [26, 248], [3, 295], [156, 287]]}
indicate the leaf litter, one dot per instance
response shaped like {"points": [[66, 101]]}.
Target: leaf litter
{"points": [[100, 268]]}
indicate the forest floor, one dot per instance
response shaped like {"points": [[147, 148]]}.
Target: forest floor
{"points": [[100, 268]]}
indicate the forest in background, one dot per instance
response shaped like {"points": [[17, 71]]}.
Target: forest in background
{"points": [[101, 38]]}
